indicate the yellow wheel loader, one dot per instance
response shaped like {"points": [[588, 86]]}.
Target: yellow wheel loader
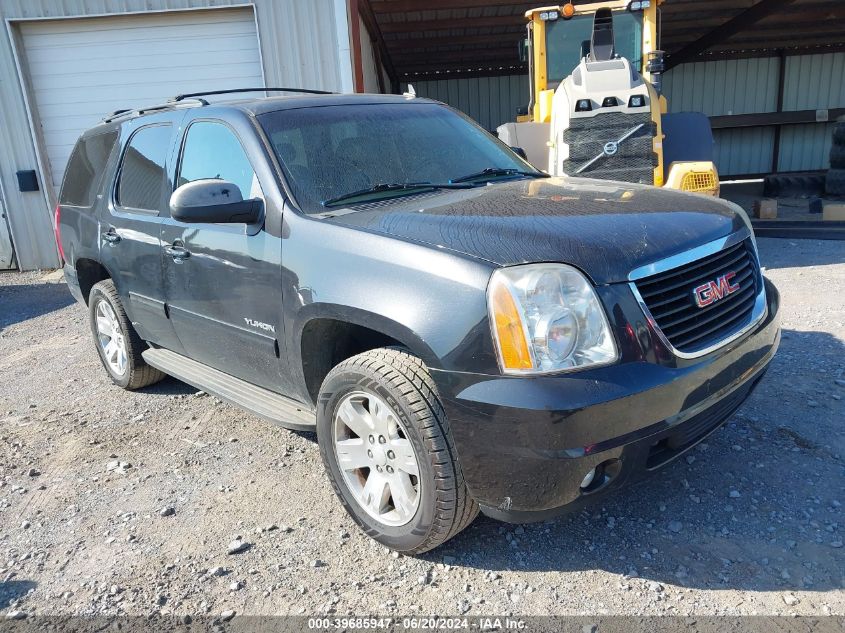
{"points": [[596, 108]]}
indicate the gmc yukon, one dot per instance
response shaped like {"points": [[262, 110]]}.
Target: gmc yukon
{"points": [[462, 332]]}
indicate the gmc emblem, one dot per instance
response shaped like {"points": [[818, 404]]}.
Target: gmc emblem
{"points": [[716, 290]]}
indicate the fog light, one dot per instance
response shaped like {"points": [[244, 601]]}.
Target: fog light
{"points": [[588, 479]]}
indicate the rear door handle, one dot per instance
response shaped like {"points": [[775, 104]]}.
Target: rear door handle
{"points": [[111, 237], [178, 252]]}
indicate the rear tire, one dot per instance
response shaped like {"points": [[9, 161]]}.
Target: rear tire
{"points": [[117, 342], [402, 443]]}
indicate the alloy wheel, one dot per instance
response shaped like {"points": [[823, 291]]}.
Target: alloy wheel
{"points": [[111, 339], [376, 458]]}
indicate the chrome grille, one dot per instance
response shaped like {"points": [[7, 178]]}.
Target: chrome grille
{"points": [[634, 160], [669, 297]]}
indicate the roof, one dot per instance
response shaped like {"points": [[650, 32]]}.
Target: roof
{"points": [[424, 39]]}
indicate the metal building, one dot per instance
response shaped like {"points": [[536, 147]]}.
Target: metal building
{"points": [[64, 65]]}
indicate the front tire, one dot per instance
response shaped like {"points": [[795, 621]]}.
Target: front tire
{"points": [[117, 342], [387, 448]]}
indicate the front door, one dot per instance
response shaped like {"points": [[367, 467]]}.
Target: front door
{"points": [[129, 226], [222, 282]]}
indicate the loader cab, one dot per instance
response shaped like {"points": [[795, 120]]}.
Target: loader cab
{"points": [[560, 36], [568, 41], [596, 108]]}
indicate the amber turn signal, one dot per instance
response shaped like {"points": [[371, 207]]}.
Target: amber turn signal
{"points": [[510, 334], [567, 10]]}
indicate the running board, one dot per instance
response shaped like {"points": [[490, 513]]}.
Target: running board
{"points": [[262, 402]]}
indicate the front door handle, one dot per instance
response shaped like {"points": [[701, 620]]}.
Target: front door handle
{"points": [[178, 252], [111, 237]]}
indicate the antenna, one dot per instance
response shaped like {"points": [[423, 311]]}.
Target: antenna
{"points": [[410, 93]]}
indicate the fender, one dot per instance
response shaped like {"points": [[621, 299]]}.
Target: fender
{"points": [[433, 301], [364, 318]]}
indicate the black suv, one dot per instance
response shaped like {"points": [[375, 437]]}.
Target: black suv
{"points": [[461, 330]]}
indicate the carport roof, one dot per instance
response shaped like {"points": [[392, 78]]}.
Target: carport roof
{"points": [[428, 39]]}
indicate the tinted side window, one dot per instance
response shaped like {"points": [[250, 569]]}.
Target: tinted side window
{"points": [[213, 151], [85, 168], [142, 170]]}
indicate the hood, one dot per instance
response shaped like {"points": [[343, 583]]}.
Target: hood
{"points": [[604, 228]]}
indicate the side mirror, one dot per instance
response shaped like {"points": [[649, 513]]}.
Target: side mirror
{"points": [[519, 152], [215, 202]]}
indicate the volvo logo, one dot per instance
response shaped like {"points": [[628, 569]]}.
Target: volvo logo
{"points": [[611, 148], [716, 290]]}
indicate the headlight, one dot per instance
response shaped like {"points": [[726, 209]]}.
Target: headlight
{"points": [[546, 318]]}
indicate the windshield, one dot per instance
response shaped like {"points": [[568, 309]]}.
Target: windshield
{"points": [[330, 151], [564, 39]]}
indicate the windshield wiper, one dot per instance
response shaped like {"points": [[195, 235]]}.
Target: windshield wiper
{"points": [[396, 187], [493, 172]]}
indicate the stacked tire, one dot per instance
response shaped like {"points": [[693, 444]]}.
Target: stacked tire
{"points": [[835, 179]]}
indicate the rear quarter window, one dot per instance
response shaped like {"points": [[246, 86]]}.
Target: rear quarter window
{"points": [[84, 171]]}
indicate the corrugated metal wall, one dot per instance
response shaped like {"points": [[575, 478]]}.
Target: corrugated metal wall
{"points": [[299, 47], [734, 86], [489, 100], [814, 81], [743, 86], [811, 82], [737, 86]]}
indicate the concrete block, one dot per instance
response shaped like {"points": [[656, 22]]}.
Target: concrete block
{"points": [[766, 209], [834, 212]]}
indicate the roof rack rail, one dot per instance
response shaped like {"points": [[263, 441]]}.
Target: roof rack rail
{"points": [[119, 114], [233, 90]]}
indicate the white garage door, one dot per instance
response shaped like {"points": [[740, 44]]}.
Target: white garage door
{"points": [[82, 69]]}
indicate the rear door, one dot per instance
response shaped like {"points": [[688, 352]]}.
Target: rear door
{"points": [[223, 282], [130, 246]]}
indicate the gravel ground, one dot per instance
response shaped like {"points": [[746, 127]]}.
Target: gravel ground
{"points": [[127, 503]]}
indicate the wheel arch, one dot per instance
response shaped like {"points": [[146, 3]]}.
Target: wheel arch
{"points": [[328, 335], [90, 272]]}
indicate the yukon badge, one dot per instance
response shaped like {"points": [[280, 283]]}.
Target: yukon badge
{"points": [[259, 324], [716, 290]]}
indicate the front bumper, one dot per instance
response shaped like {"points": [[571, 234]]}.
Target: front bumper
{"points": [[525, 444]]}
